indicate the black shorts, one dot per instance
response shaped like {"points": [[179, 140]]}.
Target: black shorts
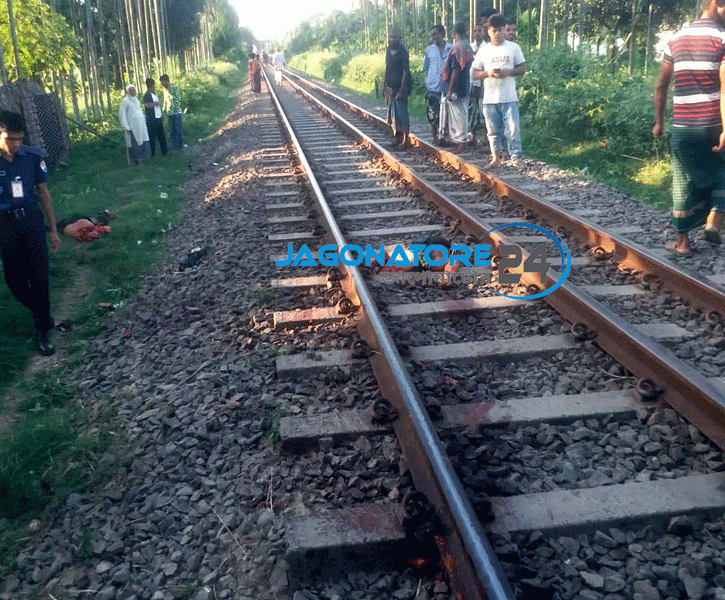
{"points": [[434, 108]]}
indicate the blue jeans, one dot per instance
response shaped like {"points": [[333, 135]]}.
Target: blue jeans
{"points": [[503, 120], [177, 141]]}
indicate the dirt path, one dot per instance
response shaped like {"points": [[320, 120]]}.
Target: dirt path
{"points": [[63, 309]]}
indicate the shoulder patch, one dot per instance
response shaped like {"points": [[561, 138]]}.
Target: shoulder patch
{"points": [[43, 165]]}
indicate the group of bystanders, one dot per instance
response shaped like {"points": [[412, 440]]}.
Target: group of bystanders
{"points": [[142, 128], [469, 86]]}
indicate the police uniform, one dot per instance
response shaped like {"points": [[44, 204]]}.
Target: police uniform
{"points": [[23, 246]]}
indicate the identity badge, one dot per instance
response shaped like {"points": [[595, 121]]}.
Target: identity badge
{"points": [[17, 187]]}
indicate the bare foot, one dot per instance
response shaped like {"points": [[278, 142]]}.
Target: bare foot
{"points": [[677, 248]]}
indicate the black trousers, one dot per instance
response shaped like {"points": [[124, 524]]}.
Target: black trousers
{"points": [[24, 253], [156, 130]]}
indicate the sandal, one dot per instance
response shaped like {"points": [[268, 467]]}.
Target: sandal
{"points": [[712, 236], [673, 247]]}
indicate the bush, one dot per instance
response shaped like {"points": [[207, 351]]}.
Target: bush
{"points": [[574, 96], [200, 87], [363, 71], [324, 65], [229, 74]]}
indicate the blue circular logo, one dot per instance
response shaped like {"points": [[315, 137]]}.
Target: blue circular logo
{"points": [[560, 246]]}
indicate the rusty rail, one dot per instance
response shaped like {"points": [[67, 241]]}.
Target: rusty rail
{"points": [[682, 387], [700, 292], [470, 561]]}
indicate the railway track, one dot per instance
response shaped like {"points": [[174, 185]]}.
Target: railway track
{"points": [[544, 434]]}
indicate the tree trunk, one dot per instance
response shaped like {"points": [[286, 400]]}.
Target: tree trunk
{"points": [[74, 93], [471, 17], [82, 65], [61, 78], [630, 58], [542, 23], [416, 25], [104, 50], [566, 23], [427, 20], [143, 50], [14, 36], [580, 25], [159, 39], [648, 43], [95, 88], [3, 70], [121, 45], [387, 22]]}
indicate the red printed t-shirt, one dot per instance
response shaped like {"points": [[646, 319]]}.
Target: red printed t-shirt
{"points": [[696, 53]]}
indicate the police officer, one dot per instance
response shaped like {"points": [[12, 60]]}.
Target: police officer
{"points": [[23, 247]]}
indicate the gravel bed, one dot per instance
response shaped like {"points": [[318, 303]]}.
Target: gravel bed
{"points": [[183, 377], [678, 560], [586, 453], [481, 380], [487, 325]]}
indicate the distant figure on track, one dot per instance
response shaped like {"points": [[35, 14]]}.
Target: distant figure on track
{"points": [[696, 59], [255, 73], [397, 87], [279, 64]]}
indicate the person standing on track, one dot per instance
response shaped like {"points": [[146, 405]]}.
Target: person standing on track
{"points": [[695, 57], [397, 87], [456, 74], [23, 248], [255, 73], [279, 64], [498, 63], [435, 57]]}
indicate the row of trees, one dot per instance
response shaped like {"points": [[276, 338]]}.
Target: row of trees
{"points": [[541, 23], [90, 47]]}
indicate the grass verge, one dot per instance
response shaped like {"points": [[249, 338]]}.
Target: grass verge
{"points": [[61, 442], [645, 180]]}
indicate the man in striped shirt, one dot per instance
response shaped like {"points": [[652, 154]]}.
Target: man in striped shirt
{"points": [[695, 57]]}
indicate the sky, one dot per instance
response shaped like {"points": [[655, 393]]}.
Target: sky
{"points": [[274, 20]]}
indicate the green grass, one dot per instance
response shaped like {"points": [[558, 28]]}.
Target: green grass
{"points": [[646, 180], [62, 443]]}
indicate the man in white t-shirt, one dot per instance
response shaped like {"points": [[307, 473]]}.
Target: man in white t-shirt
{"points": [[498, 63], [279, 64]]}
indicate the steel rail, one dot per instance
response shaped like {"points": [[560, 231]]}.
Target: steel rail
{"points": [[700, 292], [469, 559], [682, 387]]}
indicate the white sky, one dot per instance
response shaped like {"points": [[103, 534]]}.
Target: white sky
{"points": [[274, 19]]}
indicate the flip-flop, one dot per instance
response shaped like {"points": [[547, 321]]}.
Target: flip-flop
{"points": [[712, 236], [673, 247]]}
